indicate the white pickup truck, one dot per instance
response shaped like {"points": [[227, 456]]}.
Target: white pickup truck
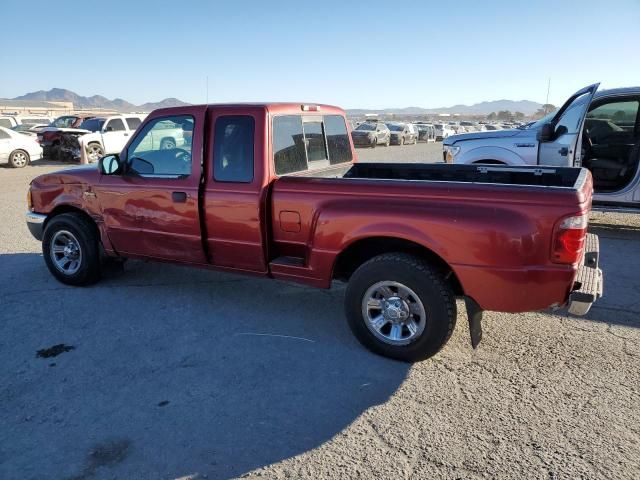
{"points": [[599, 130]]}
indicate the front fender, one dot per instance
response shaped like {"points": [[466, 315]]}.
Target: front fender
{"points": [[500, 154]]}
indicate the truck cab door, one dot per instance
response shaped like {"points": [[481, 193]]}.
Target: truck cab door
{"points": [[151, 208], [559, 138], [114, 135]]}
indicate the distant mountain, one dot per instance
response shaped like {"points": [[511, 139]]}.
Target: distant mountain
{"points": [[96, 101], [483, 108], [167, 102]]}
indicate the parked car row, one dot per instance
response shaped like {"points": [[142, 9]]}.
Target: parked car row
{"points": [[373, 133]]}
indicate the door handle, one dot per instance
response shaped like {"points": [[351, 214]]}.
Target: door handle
{"points": [[126, 134], [179, 197], [564, 151]]}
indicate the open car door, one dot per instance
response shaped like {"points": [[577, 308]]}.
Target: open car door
{"points": [[559, 138]]}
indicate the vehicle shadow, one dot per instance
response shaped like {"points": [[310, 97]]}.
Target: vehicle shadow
{"points": [[164, 372]]}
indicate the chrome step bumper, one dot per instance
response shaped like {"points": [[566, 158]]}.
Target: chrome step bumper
{"points": [[589, 282]]}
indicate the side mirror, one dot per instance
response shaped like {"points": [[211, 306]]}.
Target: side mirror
{"points": [[110, 165], [545, 134]]}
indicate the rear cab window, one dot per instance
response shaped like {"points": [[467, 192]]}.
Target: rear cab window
{"points": [[305, 143]]}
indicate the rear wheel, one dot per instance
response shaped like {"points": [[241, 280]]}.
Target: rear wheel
{"points": [[399, 306], [70, 249], [19, 159]]}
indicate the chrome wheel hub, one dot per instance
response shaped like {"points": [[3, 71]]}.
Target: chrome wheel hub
{"points": [[393, 313], [20, 159], [65, 252]]}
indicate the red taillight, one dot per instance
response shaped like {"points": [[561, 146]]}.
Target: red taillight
{"points": [[310, 108], [568, 241]]}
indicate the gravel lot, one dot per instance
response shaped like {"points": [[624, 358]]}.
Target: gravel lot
{"points": [[422, 152], [182, 373]]}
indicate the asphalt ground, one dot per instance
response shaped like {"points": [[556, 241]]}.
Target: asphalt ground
{"points": [[177, 373]]}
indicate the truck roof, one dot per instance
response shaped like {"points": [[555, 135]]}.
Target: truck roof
{"points": [[273, 107], [617, 91]]}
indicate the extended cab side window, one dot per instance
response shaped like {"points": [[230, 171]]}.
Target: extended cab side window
{"points": [[233, 148], [162, 148], [114, 125], [4, 135]]}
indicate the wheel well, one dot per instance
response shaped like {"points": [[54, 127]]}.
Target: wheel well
{"points": [[363, 250], [489, 162], [69, 209]]}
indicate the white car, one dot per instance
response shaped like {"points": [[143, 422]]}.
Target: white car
{"points": [[10, 121], [18, 149], [443, 131]]}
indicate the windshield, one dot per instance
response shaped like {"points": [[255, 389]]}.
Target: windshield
{"points": [[538, 123], [366, 126], [93, 124], [395, 128], [63, 122]]}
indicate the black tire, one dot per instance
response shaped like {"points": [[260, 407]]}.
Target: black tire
{"points": [[86, 236], [19, 159], [167, 144], [429, 286]]}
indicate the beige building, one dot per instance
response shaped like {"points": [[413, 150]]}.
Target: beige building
{"points": [[48, 109]]}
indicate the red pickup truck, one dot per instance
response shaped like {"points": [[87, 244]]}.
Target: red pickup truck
{"points": [[273, 190]]}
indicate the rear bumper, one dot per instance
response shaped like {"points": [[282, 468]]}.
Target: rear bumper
{"points": [[589, 281], [363, 141], [35, 223]]}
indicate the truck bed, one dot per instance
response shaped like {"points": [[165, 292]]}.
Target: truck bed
{"points": [[493, 225]]}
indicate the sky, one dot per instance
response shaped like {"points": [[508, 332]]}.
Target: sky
{"points": [[374, 54]]}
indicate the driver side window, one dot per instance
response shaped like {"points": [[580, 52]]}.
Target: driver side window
{"points": [[163, 148]]}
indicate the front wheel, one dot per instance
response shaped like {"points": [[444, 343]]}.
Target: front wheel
{"points": [[94, 152], [70, 249], [399, 306]]}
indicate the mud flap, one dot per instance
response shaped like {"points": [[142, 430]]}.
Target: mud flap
{"points": [[474, 314]]}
